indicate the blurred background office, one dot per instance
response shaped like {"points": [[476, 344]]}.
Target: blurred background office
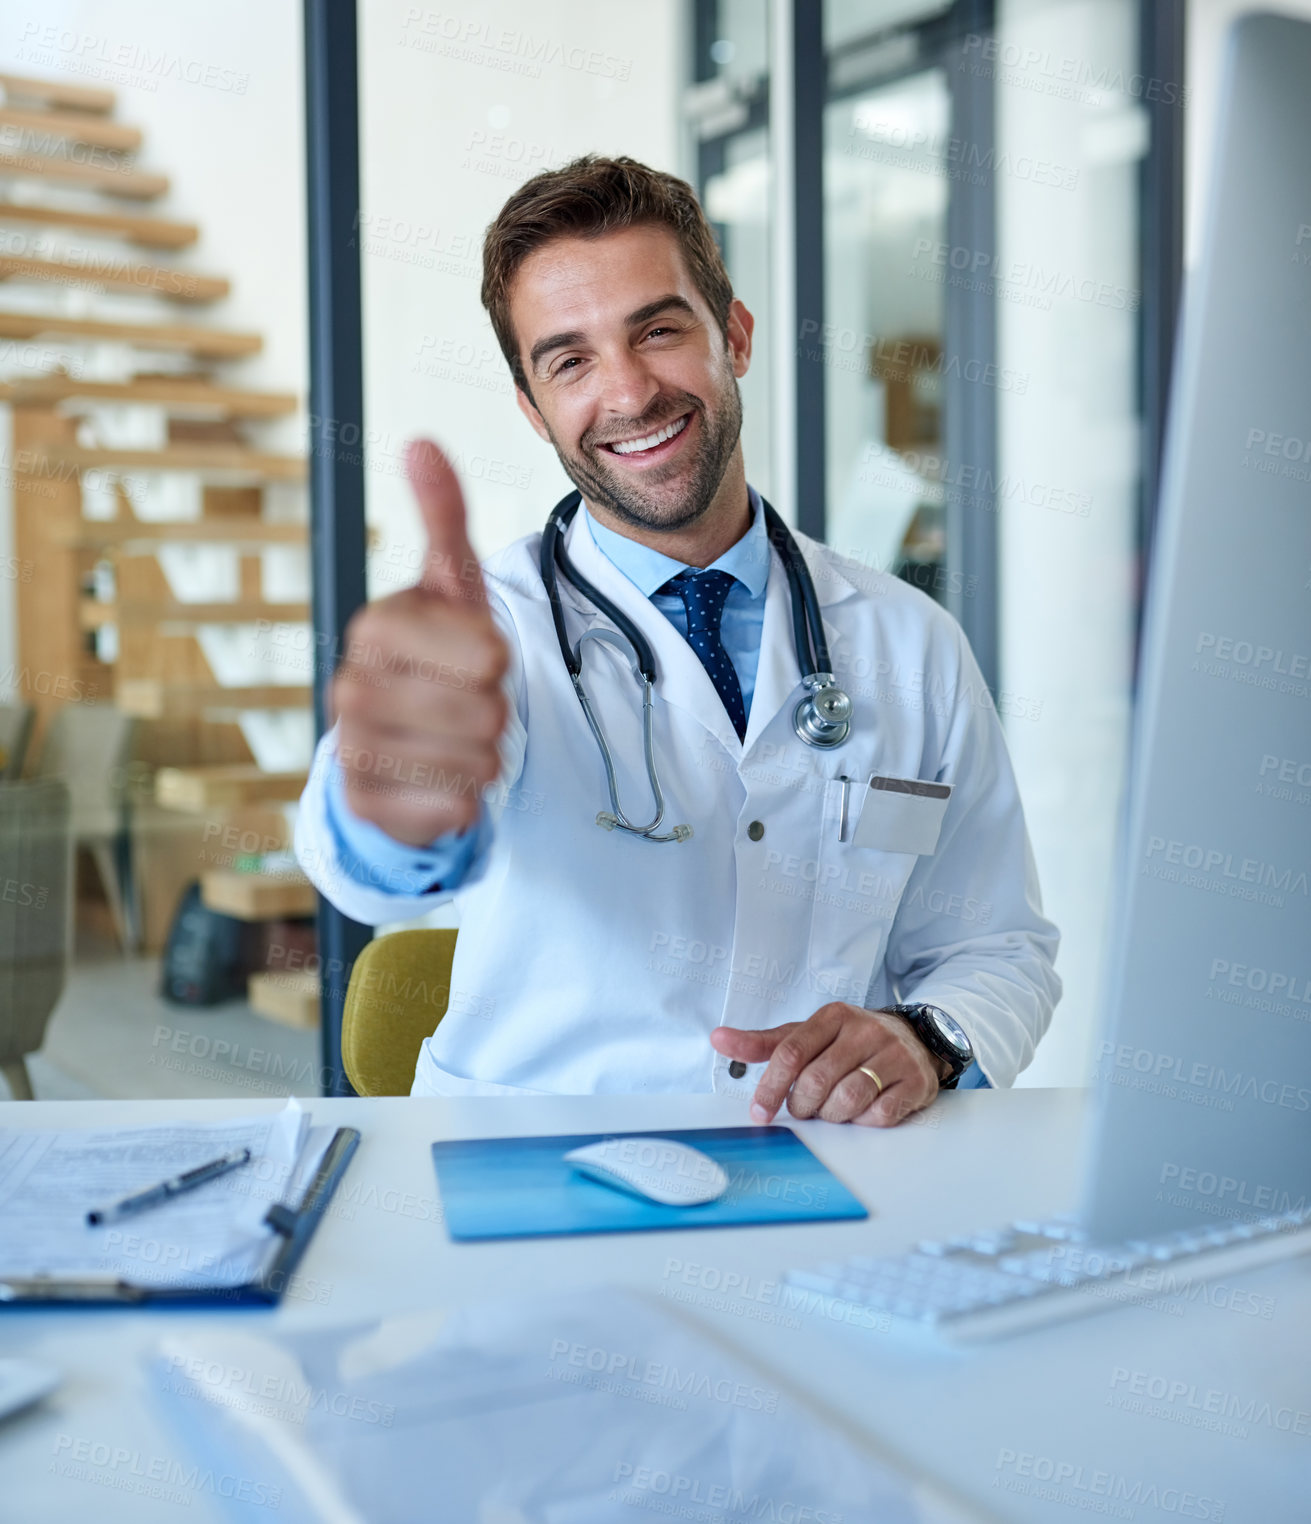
{"points": [[962, 229]]}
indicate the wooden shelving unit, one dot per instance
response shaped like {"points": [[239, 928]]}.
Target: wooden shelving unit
{"points": [[150, 699], [127, 183], [154, 280], [288, 996], [202, 790], [96, 615], [56, 94], [211, 460], [78, 126], [183, 396], [201, 343], [258, 896], [188, 723], [200, 532], [149, 232]]}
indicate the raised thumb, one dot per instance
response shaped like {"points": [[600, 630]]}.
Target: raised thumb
{"points": [[450, 568]]}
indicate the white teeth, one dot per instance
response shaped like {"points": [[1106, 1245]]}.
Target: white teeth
{"points": [[631, 446]]}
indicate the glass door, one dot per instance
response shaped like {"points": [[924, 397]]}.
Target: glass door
{"points": [[886, 186]]}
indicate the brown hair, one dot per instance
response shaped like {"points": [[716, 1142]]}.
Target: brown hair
{"points": [[586, 199]]}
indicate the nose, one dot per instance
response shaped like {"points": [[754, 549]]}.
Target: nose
{"points": [[624, 385]]}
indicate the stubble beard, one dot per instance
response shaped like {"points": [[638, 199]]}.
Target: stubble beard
{"points": [[701, 475]]}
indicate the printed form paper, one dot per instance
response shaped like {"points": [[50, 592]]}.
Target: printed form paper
{"points": [[212, 1236]]}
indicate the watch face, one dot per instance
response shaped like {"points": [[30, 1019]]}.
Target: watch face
{"points": [[950, 1032]]}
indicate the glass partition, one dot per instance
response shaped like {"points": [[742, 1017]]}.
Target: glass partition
{"points": [[886, 187], [981, 248], [737, 200]]}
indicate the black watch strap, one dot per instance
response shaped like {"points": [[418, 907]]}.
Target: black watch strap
{"points": [[918, 1016]]}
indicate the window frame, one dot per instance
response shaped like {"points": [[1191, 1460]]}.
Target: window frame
{"points": [[815, 79]]}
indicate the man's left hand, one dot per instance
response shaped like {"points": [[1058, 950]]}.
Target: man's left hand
{"points": [[814, 1066]]}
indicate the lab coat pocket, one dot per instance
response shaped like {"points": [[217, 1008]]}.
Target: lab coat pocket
{"points": [[901, 815], [857, 889], [431, 1079]]}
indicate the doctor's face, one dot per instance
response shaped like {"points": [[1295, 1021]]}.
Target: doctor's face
{"points": [[632, 381]]}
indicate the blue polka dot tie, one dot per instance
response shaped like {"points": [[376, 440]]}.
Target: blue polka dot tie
{"points": [[703, 594]]}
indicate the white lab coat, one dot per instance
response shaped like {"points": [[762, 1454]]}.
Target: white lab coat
{"points": [[595, 961]]}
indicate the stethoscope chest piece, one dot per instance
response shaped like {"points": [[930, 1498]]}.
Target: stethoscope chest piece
{"points": [[823, 717]]}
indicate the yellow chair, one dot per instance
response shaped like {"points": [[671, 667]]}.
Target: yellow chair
{"points": [[398, 992]]}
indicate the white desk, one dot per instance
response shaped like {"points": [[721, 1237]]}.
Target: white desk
{"points": [[977, 1160]]}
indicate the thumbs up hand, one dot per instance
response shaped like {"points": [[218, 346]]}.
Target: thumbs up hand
{"points": [[418, 693]]}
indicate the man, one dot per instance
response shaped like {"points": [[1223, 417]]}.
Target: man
{"points": [[811, 940]]}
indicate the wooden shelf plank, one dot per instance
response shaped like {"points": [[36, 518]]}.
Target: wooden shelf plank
{"points": [[95, 534], [178, 394], [95, 614], [224, 786], [149, 232], [78, 126], [148, 280], [257, 896], [291, 997], [56, 93], [210, 343], [128, 184], [232, 460], [150, 698]]}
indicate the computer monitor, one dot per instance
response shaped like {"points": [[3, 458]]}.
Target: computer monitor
{"points": [[1204, 1077]]}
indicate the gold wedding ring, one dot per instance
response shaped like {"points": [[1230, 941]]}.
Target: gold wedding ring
{"points": [[865, 1069]]}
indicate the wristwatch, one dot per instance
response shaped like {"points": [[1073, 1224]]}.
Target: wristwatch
{"points": [[941, 1034]]}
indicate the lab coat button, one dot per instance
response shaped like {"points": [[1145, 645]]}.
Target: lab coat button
{"points": [[756, 830], [737, 1069]]}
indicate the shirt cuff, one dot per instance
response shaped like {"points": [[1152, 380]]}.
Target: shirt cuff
{"points": [[378, 861], [973, 1078]]}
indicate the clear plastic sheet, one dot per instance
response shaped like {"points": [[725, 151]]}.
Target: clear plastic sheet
{"points": [[597, 1407]]}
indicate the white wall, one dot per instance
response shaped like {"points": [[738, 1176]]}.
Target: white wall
{"points": [[217, 90], [458, 109]]}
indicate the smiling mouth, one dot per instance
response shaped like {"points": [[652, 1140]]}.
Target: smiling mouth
{"points": [[647, 444]]}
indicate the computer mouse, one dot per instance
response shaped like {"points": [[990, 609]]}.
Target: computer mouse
{"points": [[656, 1169]]}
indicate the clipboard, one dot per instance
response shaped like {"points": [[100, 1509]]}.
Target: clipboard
{"points": [[294, 1227]]}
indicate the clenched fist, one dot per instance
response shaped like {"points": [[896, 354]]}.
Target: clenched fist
{"points": [[418, 694]]}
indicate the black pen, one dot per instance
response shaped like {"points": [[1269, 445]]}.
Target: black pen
{"points": [[167, 1189]]}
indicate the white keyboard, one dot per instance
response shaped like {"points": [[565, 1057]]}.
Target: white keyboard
{"points": [[985, 1285]]}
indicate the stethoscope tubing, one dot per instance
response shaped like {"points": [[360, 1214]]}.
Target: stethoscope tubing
{"points": [[807, 622], [553, 555], [807, 634]]}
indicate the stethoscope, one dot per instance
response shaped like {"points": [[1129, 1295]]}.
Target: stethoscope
{"points": [[822, 719]]}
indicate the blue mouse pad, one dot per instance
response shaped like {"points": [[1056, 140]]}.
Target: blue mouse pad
{"points": [[523, 1188]]}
